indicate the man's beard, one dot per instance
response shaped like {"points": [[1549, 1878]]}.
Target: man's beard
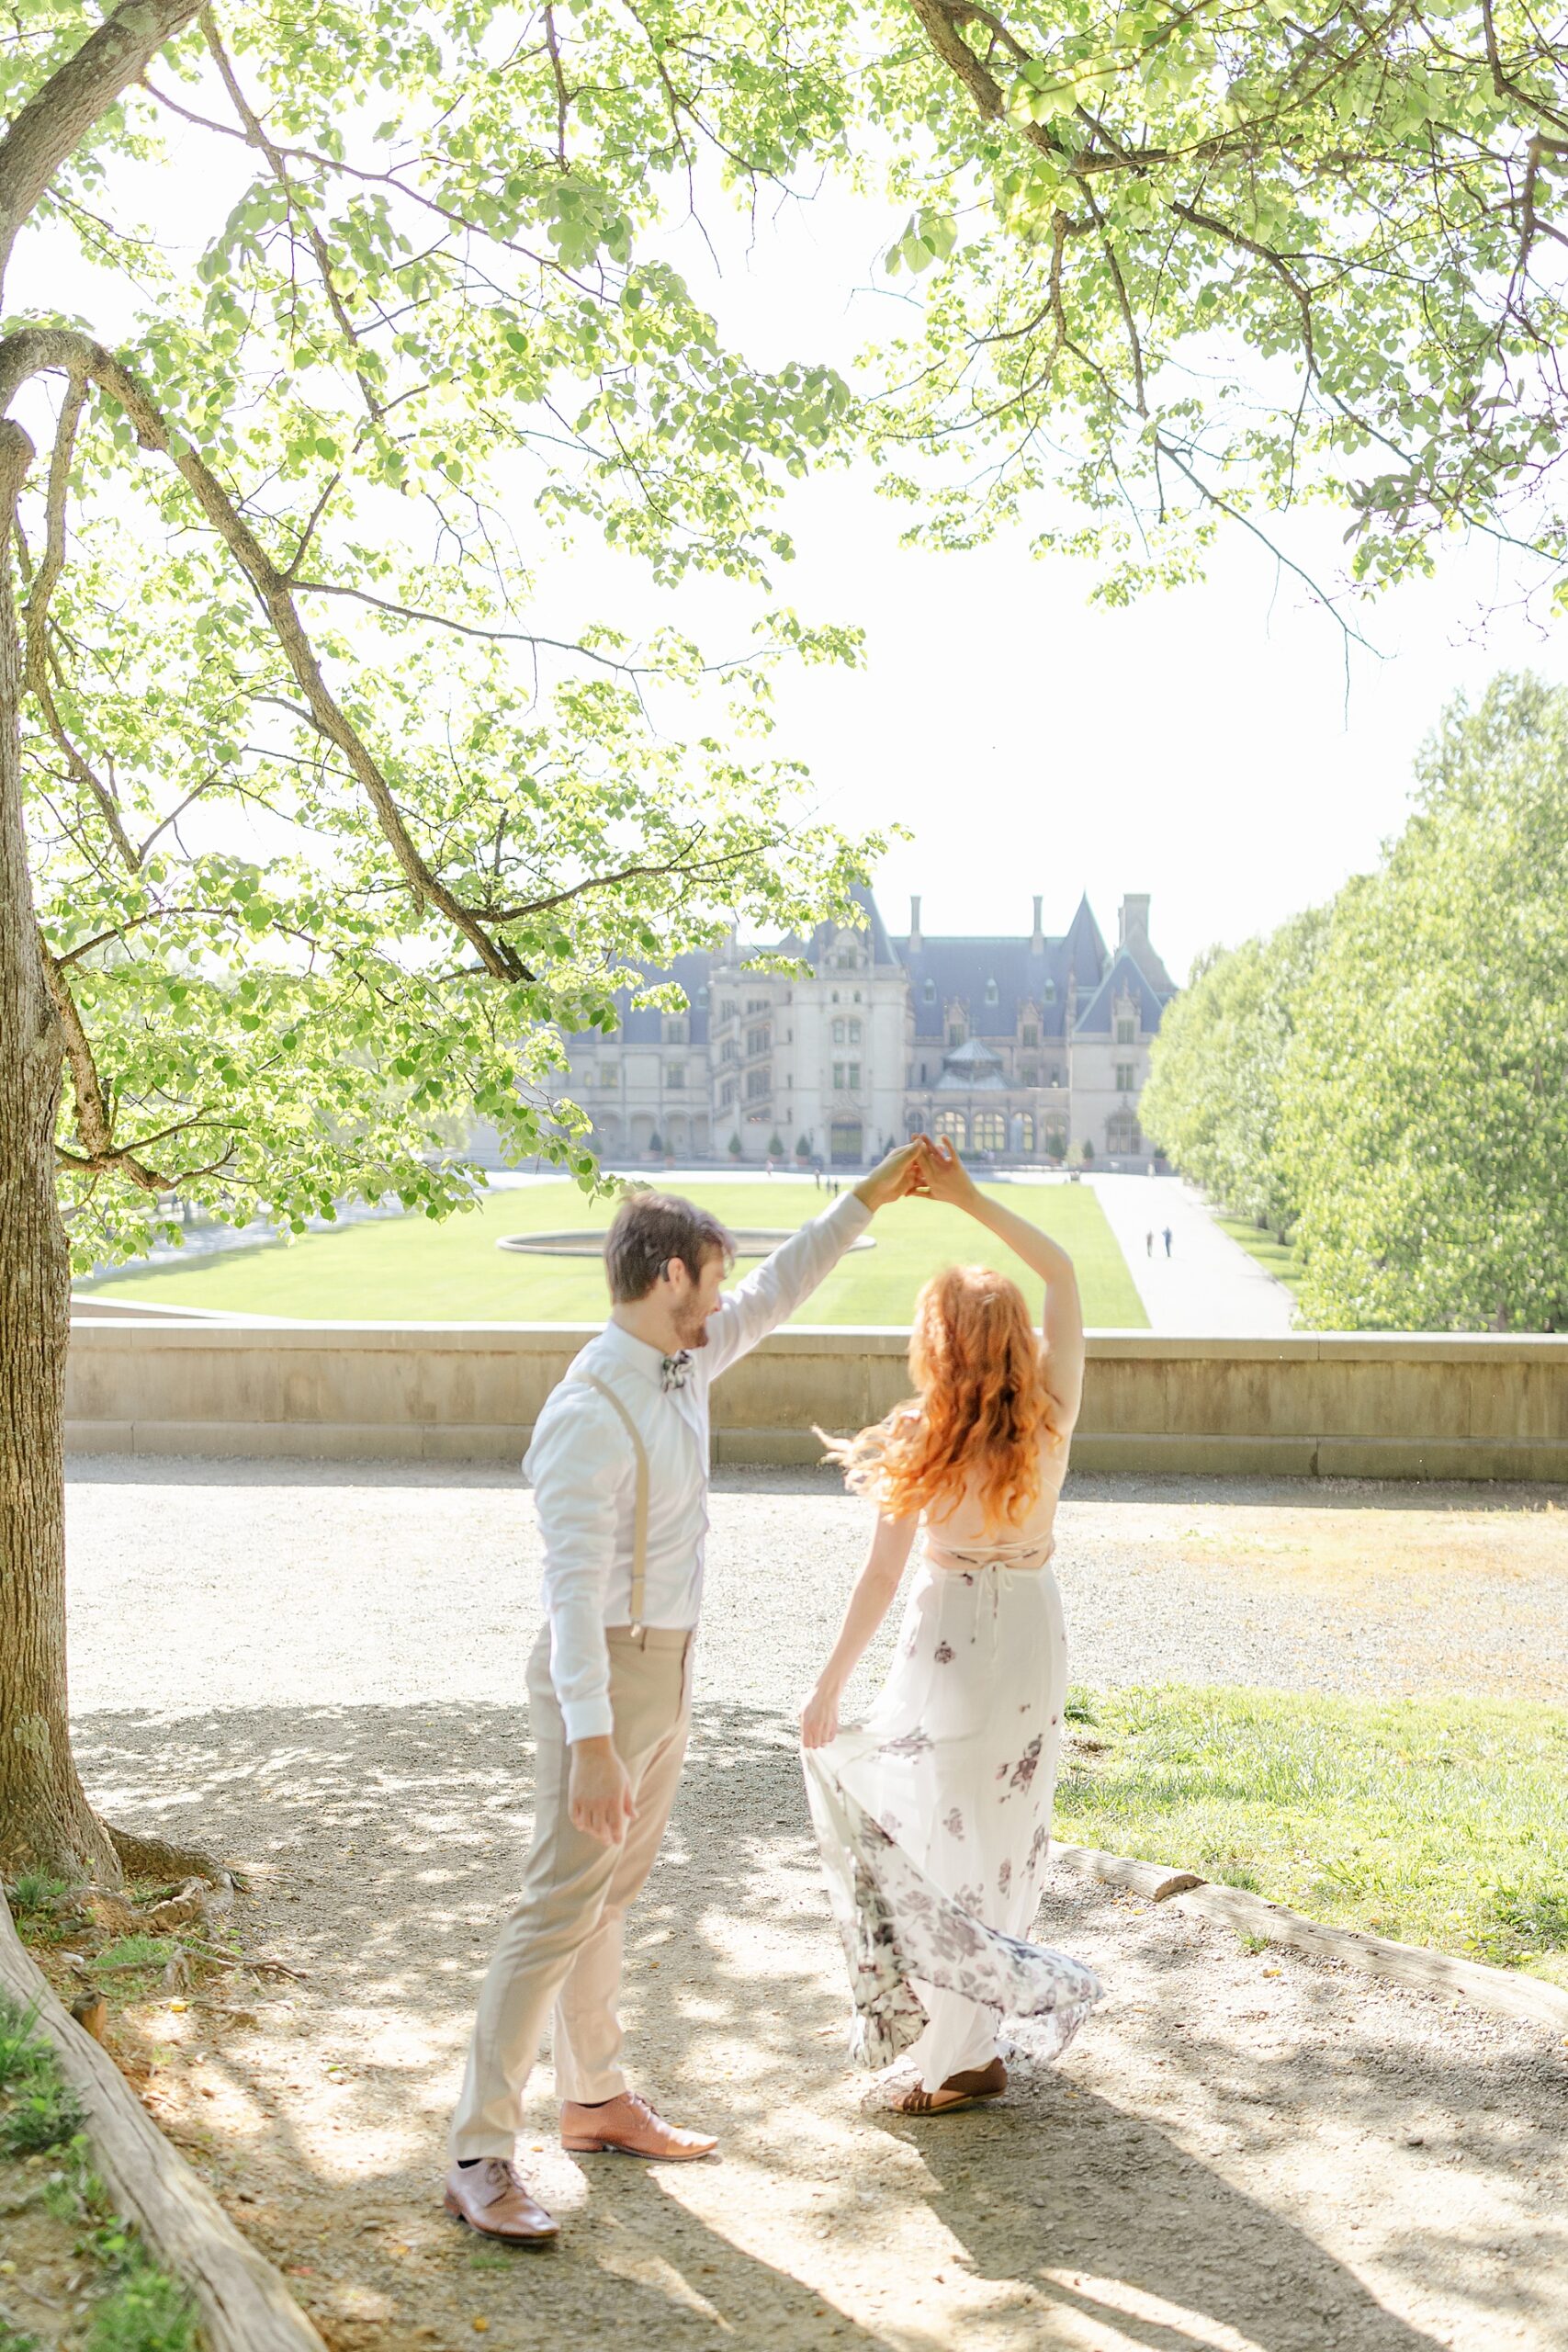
{"points": [[692, 1328]]}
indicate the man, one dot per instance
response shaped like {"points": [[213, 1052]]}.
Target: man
{"points": [[619, 1465]]}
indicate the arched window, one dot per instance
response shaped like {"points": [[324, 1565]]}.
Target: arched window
{"points": [[990, 1129], [1026, 1131], [953, 1125]]}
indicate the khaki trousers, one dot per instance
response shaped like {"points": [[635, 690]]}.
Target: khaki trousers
{"points": [[561, 1945]]}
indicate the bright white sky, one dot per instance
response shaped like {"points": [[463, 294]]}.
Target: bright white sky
{"points": [[1203, 746]]}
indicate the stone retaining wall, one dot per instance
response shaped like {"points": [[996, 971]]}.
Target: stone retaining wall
{"points": [[1313, 1405]]}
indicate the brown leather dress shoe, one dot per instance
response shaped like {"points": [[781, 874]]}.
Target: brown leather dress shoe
{"points": [[628, 2125], [491, 2198]]}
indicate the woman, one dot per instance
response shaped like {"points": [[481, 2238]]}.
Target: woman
{"points": [[935, 1819]]}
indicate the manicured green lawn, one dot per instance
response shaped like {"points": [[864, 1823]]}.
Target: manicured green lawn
{"points": [[407, 1270], [1437, 1821], [1277, 1258]]}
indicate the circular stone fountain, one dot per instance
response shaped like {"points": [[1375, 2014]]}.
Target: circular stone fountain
{"points": [[751, 1241]]}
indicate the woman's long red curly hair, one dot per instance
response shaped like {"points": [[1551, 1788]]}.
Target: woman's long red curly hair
{"points": [[982, 1415]]}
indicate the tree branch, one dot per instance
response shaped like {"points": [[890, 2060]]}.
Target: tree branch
{"points": [[95, 1127], [256, 135], [36, 620], [626, 874], [58, 117], [35, 350]]}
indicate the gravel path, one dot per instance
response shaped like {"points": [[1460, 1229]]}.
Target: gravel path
{"points": [[319, 1670], [260, 1583]]}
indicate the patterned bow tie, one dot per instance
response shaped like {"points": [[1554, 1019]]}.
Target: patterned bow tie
{"points": [[675, 1371]]}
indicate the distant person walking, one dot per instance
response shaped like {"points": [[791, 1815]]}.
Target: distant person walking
{"points": [[1149, 1242], [1167, 1240]]}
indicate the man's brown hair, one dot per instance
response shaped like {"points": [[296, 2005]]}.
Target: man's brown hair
{"points": [[648, 1230]]}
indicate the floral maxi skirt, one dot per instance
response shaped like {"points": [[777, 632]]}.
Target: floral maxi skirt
{"points": [[934, 1822]]}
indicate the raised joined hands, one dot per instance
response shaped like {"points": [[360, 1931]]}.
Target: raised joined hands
{"points": [[924, 1169], [941, 1175]]}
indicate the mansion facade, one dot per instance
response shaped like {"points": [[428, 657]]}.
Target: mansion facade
{"points": [[1032, 1049]]}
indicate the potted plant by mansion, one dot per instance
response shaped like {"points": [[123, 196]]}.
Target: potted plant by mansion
{"points": [[656, 1146], [803, 1151], [735, 1146]]}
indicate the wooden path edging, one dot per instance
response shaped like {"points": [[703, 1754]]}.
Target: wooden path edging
{"points": [[244, 2305], [1499, 1989]]}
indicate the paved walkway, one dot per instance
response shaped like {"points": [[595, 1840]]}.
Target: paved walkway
{"points": [[1208, 1287]]}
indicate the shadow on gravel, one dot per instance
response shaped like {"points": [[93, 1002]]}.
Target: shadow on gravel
{"points": [[384, 1846]]}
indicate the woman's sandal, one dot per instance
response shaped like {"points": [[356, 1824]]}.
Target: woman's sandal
{"points": [[972, 2089]]}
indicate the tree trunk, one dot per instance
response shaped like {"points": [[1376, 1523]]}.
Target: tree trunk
{"points": [[44, 1814]]}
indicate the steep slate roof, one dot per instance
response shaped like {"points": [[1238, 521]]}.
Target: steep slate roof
{"points": [[1086, 949], [1125, 977], [812, 950], [961, 967]]}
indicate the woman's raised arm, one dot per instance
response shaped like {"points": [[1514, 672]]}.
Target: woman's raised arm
{"points": [[1061, 1321]]}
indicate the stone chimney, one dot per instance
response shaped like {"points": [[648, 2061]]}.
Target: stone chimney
{"points": [[914, 940], [1133, 921], [1037, 942]]}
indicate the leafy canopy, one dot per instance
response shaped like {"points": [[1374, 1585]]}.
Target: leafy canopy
{"points": [[336, 828], [1178, 264]]}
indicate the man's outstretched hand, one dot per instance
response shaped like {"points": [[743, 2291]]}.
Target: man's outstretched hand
{"points": [[898, 1174]]}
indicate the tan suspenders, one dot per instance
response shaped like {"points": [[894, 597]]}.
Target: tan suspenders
{"points": [[640, 1524]]}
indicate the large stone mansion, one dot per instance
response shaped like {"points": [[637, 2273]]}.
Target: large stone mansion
{"points": [[1032, 1049]]}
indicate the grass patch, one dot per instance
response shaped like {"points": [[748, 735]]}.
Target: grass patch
{"points": [[1276, 1258], [136, 2306], [39, 2110], [45, 2114], [1436, 1821], [25, 2057], [409, 1270], [136, 1951], [148, 2312]]}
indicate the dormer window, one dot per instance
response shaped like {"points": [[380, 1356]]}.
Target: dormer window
{"points": [[928, 994], [993, 994], [1050, 991]]}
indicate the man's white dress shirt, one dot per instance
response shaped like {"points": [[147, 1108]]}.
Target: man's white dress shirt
{"points": [[584, 1473]]}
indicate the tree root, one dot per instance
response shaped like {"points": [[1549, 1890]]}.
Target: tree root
{"points": [[142, 1857]]}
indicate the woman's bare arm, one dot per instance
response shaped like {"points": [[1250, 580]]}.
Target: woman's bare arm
{"points": [[868, 1605]]}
